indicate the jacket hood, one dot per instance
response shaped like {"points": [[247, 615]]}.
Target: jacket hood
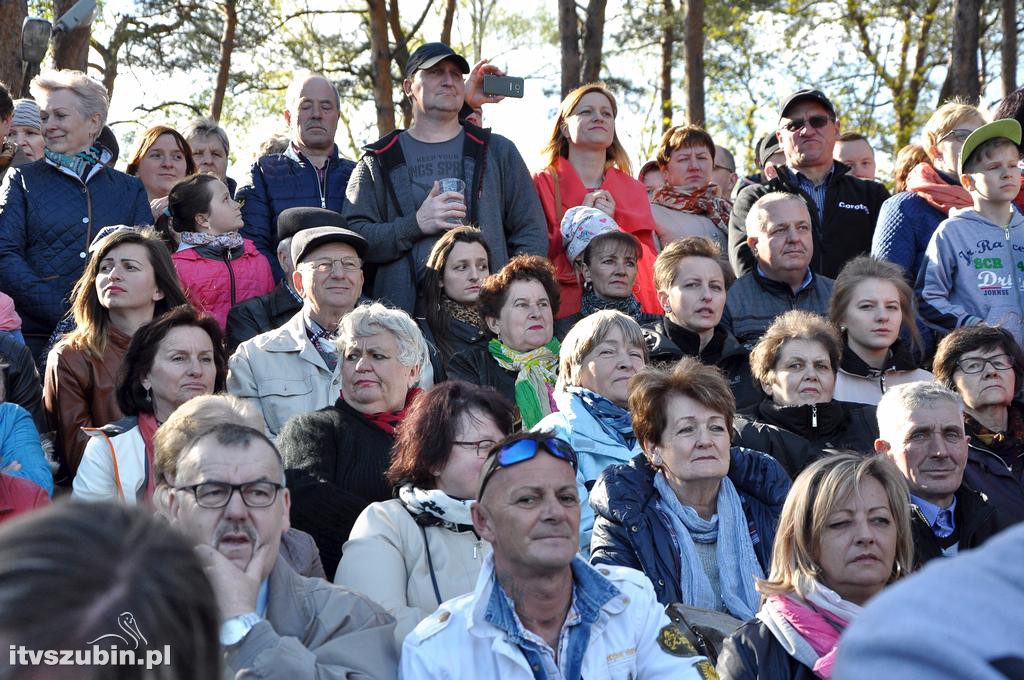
{"points": [[972, 215]]}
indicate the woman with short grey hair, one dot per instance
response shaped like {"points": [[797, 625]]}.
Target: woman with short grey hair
{"points": [[210, 149], [51, 211], [336, 458]]}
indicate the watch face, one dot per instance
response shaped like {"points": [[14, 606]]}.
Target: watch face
{"points": [[236, 628]]}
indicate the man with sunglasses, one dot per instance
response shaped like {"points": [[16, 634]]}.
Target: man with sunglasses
{"points": [[230, 498], [539, 610], [843, 208]]}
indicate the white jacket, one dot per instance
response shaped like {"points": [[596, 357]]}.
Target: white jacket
{"points": [[282, 374], [456, 642], [96, 479]]}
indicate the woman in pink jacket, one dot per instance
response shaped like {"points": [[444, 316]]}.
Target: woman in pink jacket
{"points": [[217, 267]]}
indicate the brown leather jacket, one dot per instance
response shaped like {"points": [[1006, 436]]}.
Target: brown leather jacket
{"points": [[80, 391]]}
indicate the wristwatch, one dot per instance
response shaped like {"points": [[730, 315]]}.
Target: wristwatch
{"points": [[234, 630]]}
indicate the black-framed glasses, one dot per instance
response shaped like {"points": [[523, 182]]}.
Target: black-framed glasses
{"points": [[816, 122], [481, 448], [959, 134], [1000, 362], [722, 167], [215, 495], [524, 450]]}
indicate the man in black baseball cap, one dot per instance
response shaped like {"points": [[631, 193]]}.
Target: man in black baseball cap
{"points": [[264, 313], [397, 201], [843, 208]]}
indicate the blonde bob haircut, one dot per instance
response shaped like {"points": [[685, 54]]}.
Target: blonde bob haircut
{"points": [[666, 265], [558, 146], [817, 492], [946, 118], [92, 96], [795, 324], [588, 333]]}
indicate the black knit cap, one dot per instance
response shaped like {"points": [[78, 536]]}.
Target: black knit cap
{"points": [[293, 220]]}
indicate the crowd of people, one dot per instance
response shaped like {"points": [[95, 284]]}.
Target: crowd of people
{"points": [[428, 415]]}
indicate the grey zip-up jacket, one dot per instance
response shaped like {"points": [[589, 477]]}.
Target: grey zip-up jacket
{"points": [[501, 201], [973, 272]]}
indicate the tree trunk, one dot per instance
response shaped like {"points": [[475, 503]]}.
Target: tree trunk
{"points": [[70, 50], [694, 21], [109, 66], [569, 31], [446, 25], [383, 85], [668, 48], [12, 14], [593, 41], [962, 77], [1009, 47], [227, 47]]}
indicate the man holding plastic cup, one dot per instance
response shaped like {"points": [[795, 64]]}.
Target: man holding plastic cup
{"points": [[413, 185]]}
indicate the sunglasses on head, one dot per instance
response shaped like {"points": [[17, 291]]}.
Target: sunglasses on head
{"points": [[523, 450], [816, 122]]}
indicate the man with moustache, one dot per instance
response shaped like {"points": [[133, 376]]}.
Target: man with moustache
{"points": [[310, 172], [779, 234], [539, 610], [921, 429], [230, 498]]}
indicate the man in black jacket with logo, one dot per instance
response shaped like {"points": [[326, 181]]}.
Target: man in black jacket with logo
{"points": [[843, 208]]}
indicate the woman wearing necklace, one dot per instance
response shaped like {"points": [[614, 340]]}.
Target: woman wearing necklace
{"points": [[51, 211], [587, 165], [605, 259], [411, 553], [175, 357], [458, 263], [873, 304]]}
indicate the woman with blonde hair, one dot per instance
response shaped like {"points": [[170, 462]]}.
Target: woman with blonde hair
{"points": [[908, 219], [586, 164], [873, 305], [128, 281], [843, 536]]}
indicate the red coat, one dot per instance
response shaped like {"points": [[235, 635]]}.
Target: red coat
{"points": [[632, 213], [216, 285], [18, 496]]}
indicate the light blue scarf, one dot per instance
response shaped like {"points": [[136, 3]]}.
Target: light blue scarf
{"points": [[737, 563]]}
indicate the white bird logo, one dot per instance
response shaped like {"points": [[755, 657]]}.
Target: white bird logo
{"points": [[126, 622]]}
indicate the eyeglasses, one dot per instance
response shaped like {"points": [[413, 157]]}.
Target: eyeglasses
{"points": [[523, 450], [347, 264], [482, 447], [214, 495], [1000, 362], [816, 122], [959, 134], [722, 167]]}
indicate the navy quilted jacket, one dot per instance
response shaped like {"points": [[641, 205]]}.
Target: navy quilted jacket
{"points": [[905, 225], [288, 180], [48, 218]]}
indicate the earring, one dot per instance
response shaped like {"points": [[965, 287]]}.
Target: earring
{"points": [[149, 395], [657, 460]]}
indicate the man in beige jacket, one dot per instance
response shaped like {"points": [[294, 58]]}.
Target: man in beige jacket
{"points": [[230, 497]]}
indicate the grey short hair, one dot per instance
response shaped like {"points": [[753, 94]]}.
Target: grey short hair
{"points": [[294, 91], [369, 319], [92, 96], [900, 400], [757, 218], [589, 332], [207, 127]]}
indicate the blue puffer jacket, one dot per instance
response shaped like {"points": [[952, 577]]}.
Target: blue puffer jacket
{"points": [[288, 180], [631, 530], [48, 218]]}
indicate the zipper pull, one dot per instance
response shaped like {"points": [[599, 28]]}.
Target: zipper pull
{"points": [[814, 415], [476, 550]]}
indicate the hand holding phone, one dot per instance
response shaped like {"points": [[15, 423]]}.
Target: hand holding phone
{"points": [[503, 86]]}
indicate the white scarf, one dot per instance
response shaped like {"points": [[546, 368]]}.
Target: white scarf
{"points": [[451, 513]]}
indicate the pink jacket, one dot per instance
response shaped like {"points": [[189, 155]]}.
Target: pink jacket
{"points": [[215, 285], [9, 319]]}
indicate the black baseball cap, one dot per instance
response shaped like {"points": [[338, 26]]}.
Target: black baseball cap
{"points": [[807, 95], [307, 240], [293, 220], [428, 54], [766, 147]]}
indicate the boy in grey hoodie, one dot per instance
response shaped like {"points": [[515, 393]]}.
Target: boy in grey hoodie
{"points": [[973, 271]]}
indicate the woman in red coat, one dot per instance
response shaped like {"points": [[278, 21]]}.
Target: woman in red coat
{"points": [[587, 165]]}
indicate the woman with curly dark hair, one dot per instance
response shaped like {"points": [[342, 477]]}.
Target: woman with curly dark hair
{"points": [[518, 304], [413, 552]]}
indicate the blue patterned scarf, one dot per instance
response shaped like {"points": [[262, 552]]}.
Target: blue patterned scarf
{"points": [[613, 419], [80, 163]]}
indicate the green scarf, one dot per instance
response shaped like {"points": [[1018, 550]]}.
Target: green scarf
{"points": [[537, 371]]}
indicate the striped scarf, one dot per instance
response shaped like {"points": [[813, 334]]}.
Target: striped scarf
{"points": [[80, 163]]}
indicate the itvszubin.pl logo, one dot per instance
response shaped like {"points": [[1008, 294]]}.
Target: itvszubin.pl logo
{"points": [[117, 649]]}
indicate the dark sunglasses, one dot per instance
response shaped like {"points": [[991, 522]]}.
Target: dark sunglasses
{"points": [[816, 122], [523, 450]]}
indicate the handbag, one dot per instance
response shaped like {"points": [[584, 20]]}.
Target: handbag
{"points": [[705, 629]]}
